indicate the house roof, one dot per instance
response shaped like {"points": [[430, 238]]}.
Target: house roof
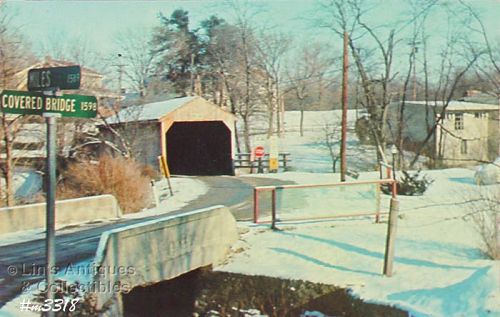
{"points": [[458, 105], [50, 62], [149, 111]]}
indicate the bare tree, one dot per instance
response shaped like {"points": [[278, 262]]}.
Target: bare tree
{"points": [[14, 56], [375, 61], [79, 50], [134, 47], [234, 48], [458, 56], [348, 16], [271, 49], [331, 140], [306, 79]]}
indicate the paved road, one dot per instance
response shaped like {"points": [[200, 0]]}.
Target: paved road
{"points": [[73, 247]]}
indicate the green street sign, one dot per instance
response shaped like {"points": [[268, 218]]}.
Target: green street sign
{"points": [[23, 102], [67, 77]]}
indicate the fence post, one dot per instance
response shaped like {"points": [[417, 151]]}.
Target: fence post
{"points": [[255, 205], [260, 170], [273, 208], [391, 237], [155, 194]]}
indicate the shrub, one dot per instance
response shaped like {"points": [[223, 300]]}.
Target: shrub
{"points": [[410, 185], [150, 172], [486, 218], [120, 177], [362, 129]]}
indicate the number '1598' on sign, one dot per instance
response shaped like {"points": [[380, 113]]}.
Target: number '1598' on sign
{"points": [[21, 102]]}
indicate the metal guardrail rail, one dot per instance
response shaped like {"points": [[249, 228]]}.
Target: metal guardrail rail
{"points": [[272, 189]]}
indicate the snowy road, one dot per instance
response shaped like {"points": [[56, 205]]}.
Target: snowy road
{"points": [[73, 246]]}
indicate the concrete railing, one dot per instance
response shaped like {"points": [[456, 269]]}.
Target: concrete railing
{"points": [[159, 250], [70, 211]]}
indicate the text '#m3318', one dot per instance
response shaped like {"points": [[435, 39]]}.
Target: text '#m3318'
{"points": [[23, 102]]}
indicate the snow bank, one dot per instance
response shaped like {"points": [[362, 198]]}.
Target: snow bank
{"points": [[438, 270], [185, 189]]}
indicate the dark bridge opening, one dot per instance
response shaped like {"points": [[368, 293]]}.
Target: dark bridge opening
{"points": [[203, 292], [199, 148]]}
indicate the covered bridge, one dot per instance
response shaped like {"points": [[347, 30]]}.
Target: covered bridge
{"points": [[195, 135]]}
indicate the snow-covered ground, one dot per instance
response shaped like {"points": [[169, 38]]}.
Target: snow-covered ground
{"points": [[438, 271], [185, 189], [309, 152]]}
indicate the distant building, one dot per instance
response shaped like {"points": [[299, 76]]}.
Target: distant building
{"points": [[467, 135], [196, 136]]}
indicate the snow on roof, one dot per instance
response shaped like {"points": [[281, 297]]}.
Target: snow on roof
{"points": [[149, 111], [457, 105]]}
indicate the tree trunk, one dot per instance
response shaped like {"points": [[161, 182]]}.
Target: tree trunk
{"points": [[302, 121], [237, 138], [270, 121], [246, 134], [278, 111]]}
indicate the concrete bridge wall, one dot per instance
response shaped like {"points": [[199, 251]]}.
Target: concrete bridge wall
{"points": [[159, 250], [69, 211]]}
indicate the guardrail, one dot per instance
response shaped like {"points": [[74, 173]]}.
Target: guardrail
{"points": [[246, 160], [272, 189]]}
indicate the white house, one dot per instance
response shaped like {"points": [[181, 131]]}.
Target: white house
{"points": [[467, 134]]}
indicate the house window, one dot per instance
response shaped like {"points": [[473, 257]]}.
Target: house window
{"points": [[463, 147], [449, 116], [459, 121], [479, 115]]}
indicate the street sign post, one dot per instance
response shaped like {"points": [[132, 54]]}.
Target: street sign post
{"points": [[35, 103], [67, 77], [273, 154], [258, 153], [43, 81]]}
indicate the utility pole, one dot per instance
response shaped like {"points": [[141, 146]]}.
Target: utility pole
{"points": [[120, 78], [343, 145], [414, 53]]}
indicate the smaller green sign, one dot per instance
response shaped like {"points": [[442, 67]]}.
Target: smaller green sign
{"points": [[67, 77], [23, 102]]}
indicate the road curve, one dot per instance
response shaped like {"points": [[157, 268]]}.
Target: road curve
{"points": [[234, 192]]}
